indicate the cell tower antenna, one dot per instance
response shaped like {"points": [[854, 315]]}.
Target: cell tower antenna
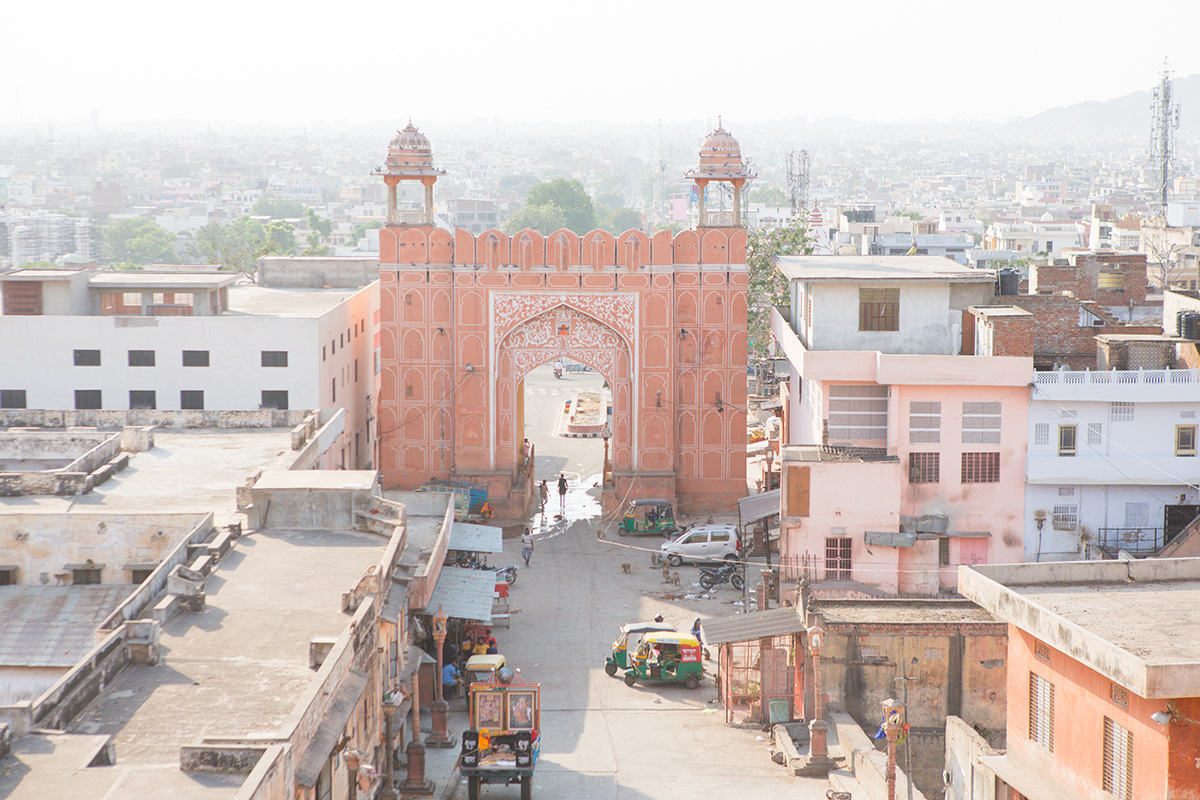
{"points": [[797, 180], [1165, 121]]}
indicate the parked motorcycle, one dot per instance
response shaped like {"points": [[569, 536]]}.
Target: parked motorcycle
{"points": [[467, 561], [728, 573]]}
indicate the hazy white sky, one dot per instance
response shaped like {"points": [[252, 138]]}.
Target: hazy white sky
{"points": [[531, 60]]}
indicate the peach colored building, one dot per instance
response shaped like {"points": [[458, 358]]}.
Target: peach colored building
{"points": [[907, 458], [1103, 683], [465, 317]]}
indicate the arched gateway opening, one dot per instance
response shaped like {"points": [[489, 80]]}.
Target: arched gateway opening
{"points": [[464, 318]]}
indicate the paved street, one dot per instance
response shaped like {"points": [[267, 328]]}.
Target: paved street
{"points": [[602, 739]]}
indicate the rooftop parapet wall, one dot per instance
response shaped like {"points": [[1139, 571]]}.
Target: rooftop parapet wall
{"points": [[1123, 385], [119, 419], [562, 250]]}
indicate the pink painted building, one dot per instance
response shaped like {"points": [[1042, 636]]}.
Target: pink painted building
{"points": [[465, 317], [904, 458]]}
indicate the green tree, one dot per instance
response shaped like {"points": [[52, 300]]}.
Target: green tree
{"points": [[623, 219], [544, 219], [139, 242], [317, 227], [572, 201], [361, 228], [770, 196], [277, 208], [238, 245], [768, 287]]}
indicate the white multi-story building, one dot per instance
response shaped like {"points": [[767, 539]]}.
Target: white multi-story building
{"points": [[1112, 461], [82, 339], [1028, 238]]}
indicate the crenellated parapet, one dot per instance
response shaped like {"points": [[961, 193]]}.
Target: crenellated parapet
{"points": [[562, 250]]}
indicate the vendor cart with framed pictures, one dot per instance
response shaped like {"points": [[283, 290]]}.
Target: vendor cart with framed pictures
{"points": [[503, 742]]}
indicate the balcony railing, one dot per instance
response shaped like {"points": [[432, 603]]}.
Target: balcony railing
{"points": [[718, 219], [1137, 541], [403, 216], [1118, 377]]}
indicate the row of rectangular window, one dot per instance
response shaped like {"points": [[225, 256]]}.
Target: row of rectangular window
{"points": [[191, 358], [189, 400], [975, 468], [1185, 438]]}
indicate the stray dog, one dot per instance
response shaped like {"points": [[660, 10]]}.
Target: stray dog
{"points": [[675, 578], [626, 568], [666, 575]]}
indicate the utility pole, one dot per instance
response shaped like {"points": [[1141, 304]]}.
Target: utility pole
{"points": [[903, 681], [1165, 121]]}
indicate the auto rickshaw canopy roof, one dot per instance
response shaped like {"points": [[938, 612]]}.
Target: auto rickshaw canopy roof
{"points": [[492, 662], [635, 628], [651, 502], [672, 637]]}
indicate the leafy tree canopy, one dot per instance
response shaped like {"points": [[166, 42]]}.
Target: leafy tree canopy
{"points": [[237, 246], [319, 225], [544, 219], [569, 196], [768, 287], [139, 242], [277, 208], [770, 196], [608, 201], [623, 219]]}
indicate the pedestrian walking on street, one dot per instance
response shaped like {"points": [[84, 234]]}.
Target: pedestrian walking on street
{"points": [[562, 492], [544, 491], [527, 546]]}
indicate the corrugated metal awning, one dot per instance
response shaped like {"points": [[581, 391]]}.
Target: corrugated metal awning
{"points": [[890, 538], [337, 714], [475, 538], [754, 625], [758, 506], [464, 594]]}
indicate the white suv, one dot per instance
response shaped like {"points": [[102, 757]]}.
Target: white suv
{"points": [[703, 543]]}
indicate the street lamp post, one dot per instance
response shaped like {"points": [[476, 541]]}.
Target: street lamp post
{"points": [[893, 722], [607, 434], [818, 761], [438, 709]]}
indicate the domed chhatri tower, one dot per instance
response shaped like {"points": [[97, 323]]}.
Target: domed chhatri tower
{"points": [[465, 317], [409, 158], [721, 161]]}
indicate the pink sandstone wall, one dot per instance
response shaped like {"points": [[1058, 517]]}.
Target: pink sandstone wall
{"points": [[620, 304]]}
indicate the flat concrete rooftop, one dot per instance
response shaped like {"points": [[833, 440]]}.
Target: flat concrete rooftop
{"points": [[853, 269], [235, 669], [1133, 621], [186, 471], [262, 301], [903, 612]]}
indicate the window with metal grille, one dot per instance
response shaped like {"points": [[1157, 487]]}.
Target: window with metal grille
{"points": [[87, 399], [858, 414], [981, 423], [1118, 694], [943, 551], [141, 398], [274, 399], [980, 468], [12, 398], [1137, 515], [879, 309], [924, 467], [924, 422], [1185, 440], [1094, 433], [837, 558], [195, 358], [141, 358], [274, 358], [1041, 711], [1066, 491], [1120, 412], [1118, 761], [1041, 650], [1041, 433], [139, 576], [1187, 414], [85, 576], [1065, 518], [1110, 280], [87, 358], [1066, 440], [1069, 414]]}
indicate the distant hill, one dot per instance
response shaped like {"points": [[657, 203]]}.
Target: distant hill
{"points": [[1125, 117]]}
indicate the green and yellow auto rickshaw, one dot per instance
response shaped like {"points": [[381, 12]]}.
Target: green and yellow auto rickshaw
{"points": [[648, 516], [667, 657], [631, 635]]}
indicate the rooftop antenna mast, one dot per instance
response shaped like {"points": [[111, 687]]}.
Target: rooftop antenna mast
{"points": [[797, 180], [1165, 121]]}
